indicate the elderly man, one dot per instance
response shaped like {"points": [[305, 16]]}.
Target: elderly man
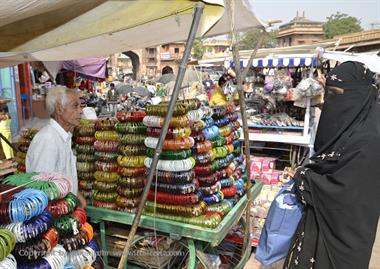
{"points": [[50, 149]]}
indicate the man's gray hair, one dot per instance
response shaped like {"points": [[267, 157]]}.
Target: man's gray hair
{"points": [[54, 95]]}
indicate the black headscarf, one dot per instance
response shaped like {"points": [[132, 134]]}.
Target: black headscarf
{"points": [[341, 188]]}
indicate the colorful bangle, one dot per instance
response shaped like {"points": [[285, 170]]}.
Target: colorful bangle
{"points": [[132, 139], [107, 205], [129, 192], [85, 167], [173, 133], [214, 198], [125, 202], [106, 136], [170, 154], [130, 128], [86, 176], [131, 161], [208, 190], [84, 140], [105, 156], [176, 189], [132, 182], [84, 157], [105, 124], [106, 176], [109, 197], [128, 150], [86, 149], [170, 144], [85, 130], [183, 210], [106, 146], [135, 116], [167, 198], [162, 110], [172, 166], [105, 186], [173, 177], [106, 166], [131, 172]]}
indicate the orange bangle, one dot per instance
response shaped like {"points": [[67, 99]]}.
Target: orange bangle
{"points": [[86, 227]]}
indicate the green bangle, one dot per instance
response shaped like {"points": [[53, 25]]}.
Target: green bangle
{"points": [[171, 154]]}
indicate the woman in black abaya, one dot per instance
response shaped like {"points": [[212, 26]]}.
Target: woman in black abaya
{"points": [[341, 188]]}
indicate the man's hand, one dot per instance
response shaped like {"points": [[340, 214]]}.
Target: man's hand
{"points": [[82, 200]]}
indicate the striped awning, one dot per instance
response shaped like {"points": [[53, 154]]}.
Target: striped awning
{"points": [[281, 62]]}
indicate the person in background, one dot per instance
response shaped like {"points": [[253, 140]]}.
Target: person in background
{"points": [[218, 98], [5, 130], [112, 94], [50, 149], [340, 189]]}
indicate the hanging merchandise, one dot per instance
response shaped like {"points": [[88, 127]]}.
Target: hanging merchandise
{"points": [[84, 138], [41, 224], [24, 142], [132, 153]]}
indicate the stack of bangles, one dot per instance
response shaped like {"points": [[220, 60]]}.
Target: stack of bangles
{"points": [[106, 176], [213, 198], [221, 122], [128, 150], [208, 190], [207, 180], [106, 146], [195, 115], [82, 257], [218, 141], [125, 202], [105, 156], [83, 140], [75, 242], [66, 225], [56, 259], [106, 136], [131, 161], [173, 133], [132, 139], [86, 130], [174, 188], [27, 204], [229, 192], [130, 128], [198, 126], [82, 157], [132, 182], [168, 198], [131, 172], [135, 116], [129, 192], [170, 154], [106, 166], [204, 158], [170, 144], [183, 210], [210, 132], [107, 197], [173, 177], [227, 182], [107, 205], [105, 124], [88, 149], [193, 104], [7, 243], [9, 262], [85, 166], [161, 110], [30, 229], [223, 208], [225, 130], [86, 175], [172, 166], [219, 111], [202, 147], [105, 186], [175, 122], [49, 182]]}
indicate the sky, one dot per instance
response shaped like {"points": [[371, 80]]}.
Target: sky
{"points": [[366, 10]]}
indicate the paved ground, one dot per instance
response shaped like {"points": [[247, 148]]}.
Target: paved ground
{"points": [[374, 264]]}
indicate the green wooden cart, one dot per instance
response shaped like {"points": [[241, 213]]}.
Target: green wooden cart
{"points": [[176, 230]]}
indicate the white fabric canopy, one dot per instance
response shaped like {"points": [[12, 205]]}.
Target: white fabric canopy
{"points": [[371, 60], [57, 30]]}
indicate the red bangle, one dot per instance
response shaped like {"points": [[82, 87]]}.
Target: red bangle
{"points": [[80, 214], [168, 198]]}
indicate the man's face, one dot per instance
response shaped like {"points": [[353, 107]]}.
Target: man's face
{"points": [[71, 112]]}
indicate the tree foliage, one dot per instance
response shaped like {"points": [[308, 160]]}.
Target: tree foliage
{"points": [[340, 24], [250, 39], [198, 49]]}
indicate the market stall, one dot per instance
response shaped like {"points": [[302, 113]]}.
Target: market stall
{"points": [[67, 45]]}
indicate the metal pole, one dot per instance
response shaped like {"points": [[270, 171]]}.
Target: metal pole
{"points": [[181, 73], [240, 76]]}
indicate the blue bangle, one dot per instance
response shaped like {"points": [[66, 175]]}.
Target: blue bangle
{"points": [[212, 199], [27, 204]]}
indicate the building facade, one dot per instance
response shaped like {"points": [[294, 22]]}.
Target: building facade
{"points": [[300, 31]]}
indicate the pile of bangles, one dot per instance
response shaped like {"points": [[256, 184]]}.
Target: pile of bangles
{"points": [[26, 136], [132, 153], [105, 166], [41, 225]]}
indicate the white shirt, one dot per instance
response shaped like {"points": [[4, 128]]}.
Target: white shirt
{"points": [[50, 151]]}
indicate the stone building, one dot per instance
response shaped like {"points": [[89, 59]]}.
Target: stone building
{"points": [[300, 31]]}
